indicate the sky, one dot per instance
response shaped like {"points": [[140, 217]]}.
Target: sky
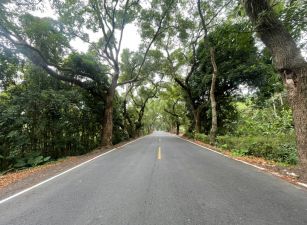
{"points": [[131, 39]]}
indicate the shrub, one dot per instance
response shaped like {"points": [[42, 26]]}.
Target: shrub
{"points": [[189, 135], [279, 148], [239, 152], [202, 137]]}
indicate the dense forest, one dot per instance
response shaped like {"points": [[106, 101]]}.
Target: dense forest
{"points": [[229, 73]]}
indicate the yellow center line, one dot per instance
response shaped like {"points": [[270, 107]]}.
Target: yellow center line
{"points": [[159, 153]]}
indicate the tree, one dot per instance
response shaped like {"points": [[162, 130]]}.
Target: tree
{"points": [[196, 101], [174, 105], [140, 101], [42, 116], [180, 45], [208, 16], [240, 64], [139, 93], [205, 25], [45, 42], [288, 61], [9, 65], [180, 64]]}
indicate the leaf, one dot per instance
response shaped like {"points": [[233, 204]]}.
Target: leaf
{"points": [[12, 134], [20, 164], [46, 159]]}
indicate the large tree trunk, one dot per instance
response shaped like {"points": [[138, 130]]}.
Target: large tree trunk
{"points": [[289, 62], [209, 46], [196, 114], [213, 130], [297, 94], [107, 123]]}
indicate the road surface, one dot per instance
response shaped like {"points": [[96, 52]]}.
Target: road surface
{"points": [[160, 180]]}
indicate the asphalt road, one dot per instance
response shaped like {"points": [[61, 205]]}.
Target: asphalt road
{"points": [[180, 184]]}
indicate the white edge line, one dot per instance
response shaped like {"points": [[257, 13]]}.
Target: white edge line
{"points": [[302, 184], [258, 167], [66, 171]]}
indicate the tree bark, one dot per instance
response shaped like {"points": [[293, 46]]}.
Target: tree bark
{"points": [[177, 127], [129, 126], [107, 123], [196, 114], [213, 130], [288, 61], [208, 45], [139, 124], [297, 94]]}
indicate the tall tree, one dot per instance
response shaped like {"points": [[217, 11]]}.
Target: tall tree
{"points": [[44, 116], [209, 46], [208, 12], [140, 101], [288, 61], [46, 42], [180, 45], [174, 105]]}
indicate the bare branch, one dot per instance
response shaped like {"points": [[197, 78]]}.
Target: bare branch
{"points": [[171, 113], [128, 81], [112, 18], [122, 30], [218, 12], [107, 50]]}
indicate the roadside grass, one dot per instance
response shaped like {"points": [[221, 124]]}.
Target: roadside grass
{"points": [[279, 148]]}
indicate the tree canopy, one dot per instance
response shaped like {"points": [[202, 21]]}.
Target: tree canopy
{"points": [[202, 68]]}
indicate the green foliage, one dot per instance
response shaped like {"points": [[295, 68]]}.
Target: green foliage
{"points": [[239, 65], [46, 116], [189, 135], [45, 34], [237, 59], [87, 65], [263, 121], [262, 132], [202, 137], [31, 159], [42, 118], [278, 148], [9, 65], [239, 152], [293, 15], [167, 111], [119, 133]]}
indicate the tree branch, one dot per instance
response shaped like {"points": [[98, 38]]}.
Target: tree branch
{"points": [[157, 33], [122, 30]]}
